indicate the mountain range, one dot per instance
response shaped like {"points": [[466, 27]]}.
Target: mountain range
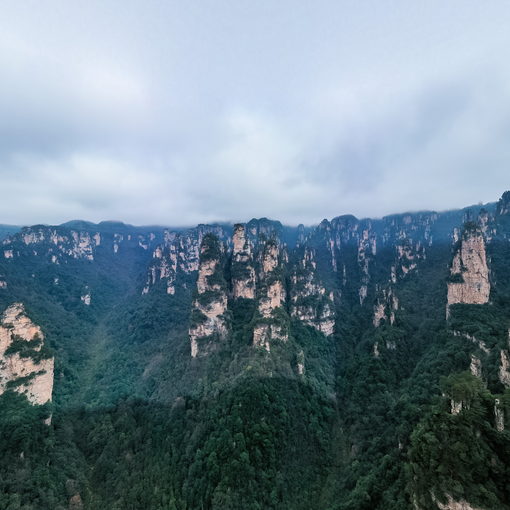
{"points": [[357, 364]]}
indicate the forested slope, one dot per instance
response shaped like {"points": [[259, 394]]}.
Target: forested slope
{"points": [[359, 364]]}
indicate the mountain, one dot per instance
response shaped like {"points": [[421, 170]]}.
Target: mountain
{"points": [[356, 364], [7, 230]]}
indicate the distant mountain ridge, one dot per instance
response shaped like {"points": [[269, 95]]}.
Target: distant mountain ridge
{"points": [[8, 230]]}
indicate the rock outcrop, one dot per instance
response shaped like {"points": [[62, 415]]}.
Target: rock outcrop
{"points": [[408, 255], [367, 249], [475, 366], [86, 298], [499, 416], [504, 368], [26, 366], [503, 207], [451, 504], [242, 270], [208, 320], [309, 301], [385, 307], [469, 281], [178, 255], [272, 323], [53, 242]]}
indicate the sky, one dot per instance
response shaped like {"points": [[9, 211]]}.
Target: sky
{"points": [[185, 112]]}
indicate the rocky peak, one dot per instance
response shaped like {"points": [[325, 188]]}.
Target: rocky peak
{"points": [[26, 365], [208, 321], [301, 235], [263, 229], [271, 322], [367, 250], [503, 207], [179, 254], [240, 243]]}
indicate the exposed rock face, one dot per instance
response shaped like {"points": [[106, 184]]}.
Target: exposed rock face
{"points": [[75, 502], [309, 300], [178, 255], [270, 258], [469, 272], [456, 407], [86, 299], [24, 365], [243, 272], [503, 207], [263, 229], [475, 367], [300, 363], [271, 323], [504, 368], [408, 255], [208, 322], [481, 344], [451, 504], [385, 307], [367, 249], [499, 416], [274, 298], [54, 242]]}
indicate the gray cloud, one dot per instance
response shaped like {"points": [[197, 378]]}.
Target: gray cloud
{"points": [[179, 113]]}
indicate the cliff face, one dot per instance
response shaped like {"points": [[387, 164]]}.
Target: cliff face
{"points": [[271, 321], [503, 208], [208, 321], [25, 364], [55, 242], [309, 300], [385, 307], [308, 279], [243, 272], [178, 256], [60, 243], [451, 504], [469, 271], [267, 306]]}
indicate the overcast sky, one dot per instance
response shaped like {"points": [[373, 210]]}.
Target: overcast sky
{"points": [[179, 112]]}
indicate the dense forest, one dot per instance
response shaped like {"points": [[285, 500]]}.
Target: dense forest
{"points": [[379, 381]]}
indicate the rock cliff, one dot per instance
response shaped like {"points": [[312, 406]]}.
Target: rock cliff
{"points": [[208, 320], [469, 281], [178, 256], [310, 302], [272, 323], [242, 271], [26, 365]]}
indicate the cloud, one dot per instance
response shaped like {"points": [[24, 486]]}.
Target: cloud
{"points": [[176, 114]]}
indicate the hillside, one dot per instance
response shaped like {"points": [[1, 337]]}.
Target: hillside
{"points": [[353, 365]]}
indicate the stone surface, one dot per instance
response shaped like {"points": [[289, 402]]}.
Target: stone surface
{"points": [[36, 377], [469, 272]]}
